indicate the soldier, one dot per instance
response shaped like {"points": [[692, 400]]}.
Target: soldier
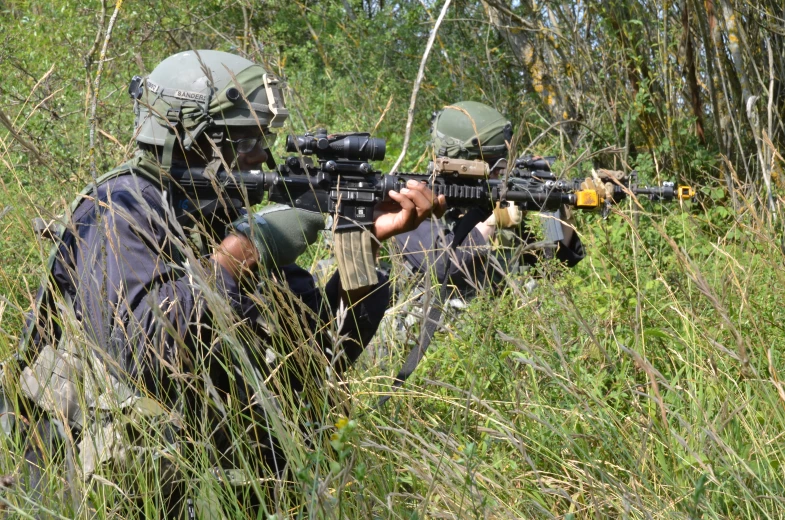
{"points": [[141, 312], [475, 131], [468, 131]]}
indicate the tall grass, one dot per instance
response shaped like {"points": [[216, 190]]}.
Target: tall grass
{"points": [[644, 383]]}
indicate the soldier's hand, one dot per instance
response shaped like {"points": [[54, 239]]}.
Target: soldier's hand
{"points": [[610, 175], [407, 210], [610, 178], [273, 236], [604, 190], [504, 218]]}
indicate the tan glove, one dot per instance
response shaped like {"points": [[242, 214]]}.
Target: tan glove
{"points": [[597, 186], [504, 218], [610, 178], [609, 175]]}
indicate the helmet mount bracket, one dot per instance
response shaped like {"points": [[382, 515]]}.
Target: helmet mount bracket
{"points": [[275, 103]]}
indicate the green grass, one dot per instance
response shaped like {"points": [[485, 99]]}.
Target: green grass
{"points": [[645, 383], [642, 384]]}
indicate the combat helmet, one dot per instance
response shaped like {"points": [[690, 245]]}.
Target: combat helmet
{"points": [[470, 130], [195, 91]]}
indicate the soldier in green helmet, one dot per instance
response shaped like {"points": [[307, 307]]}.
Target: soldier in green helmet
{"points": [[470, 130], [142, 314], [474, 131]]}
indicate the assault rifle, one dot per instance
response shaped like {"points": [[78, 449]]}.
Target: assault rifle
{"points": [[343, 183]]}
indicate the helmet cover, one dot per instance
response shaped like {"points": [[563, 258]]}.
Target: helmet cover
{"points": [[470, 130], [195, 90]]}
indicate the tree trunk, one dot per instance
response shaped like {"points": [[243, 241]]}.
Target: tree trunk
{"points": [[690, 74], [529, 53]]}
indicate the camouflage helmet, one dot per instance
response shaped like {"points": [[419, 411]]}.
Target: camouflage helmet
{"points": [[192, 91], [470, 130]]}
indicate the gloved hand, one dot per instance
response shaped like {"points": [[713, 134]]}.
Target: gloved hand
{"points": [[504, 218], [609, 175], [604, 191], [280, 233]]}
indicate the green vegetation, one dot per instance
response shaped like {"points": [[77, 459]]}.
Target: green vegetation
{"points": [[645, 383]]}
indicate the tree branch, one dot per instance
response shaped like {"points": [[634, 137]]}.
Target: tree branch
{"points": [[417, 82], [6, 122], [97, 84]]}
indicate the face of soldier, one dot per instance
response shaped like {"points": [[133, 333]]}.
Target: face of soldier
{"points": [[247, 145], [498, 166]]}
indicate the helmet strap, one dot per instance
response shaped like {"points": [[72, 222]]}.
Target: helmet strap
{"points": [[166, 157], [191, 137], [216, 139], [212, 167], [174, 117]]}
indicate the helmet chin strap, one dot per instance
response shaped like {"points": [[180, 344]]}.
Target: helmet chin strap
{"points": [[166, 156], [213, 165]]}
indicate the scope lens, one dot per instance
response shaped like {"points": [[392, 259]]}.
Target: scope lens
{"points": [[300, 144]]}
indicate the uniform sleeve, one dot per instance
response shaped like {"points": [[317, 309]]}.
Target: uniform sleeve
{"points": [[571, 251], [134, 291], [427, 248]]}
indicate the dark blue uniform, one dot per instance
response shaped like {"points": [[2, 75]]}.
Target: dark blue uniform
{"points": [[426, 247], [125, 265]]}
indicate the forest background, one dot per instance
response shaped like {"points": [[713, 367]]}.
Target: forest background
{"points": [[642, 384]]}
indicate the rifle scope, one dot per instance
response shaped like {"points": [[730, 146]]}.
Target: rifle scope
{"points": [[352, 147]]}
